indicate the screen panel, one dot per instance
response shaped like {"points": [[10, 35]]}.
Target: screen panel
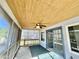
{"points": [[30, 34]]}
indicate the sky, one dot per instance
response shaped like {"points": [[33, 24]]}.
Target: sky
{"points": [[3, 23]]}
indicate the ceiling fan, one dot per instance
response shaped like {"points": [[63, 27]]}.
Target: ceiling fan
{"points": [[39, 25]]}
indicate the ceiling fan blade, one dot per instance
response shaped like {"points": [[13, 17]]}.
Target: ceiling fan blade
{"points": [[43, 25]]}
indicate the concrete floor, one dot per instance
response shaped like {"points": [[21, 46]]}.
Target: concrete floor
{"points": [[23, 53]]}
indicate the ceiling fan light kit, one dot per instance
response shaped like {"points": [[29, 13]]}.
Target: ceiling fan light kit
{"points": [[37, 27]]}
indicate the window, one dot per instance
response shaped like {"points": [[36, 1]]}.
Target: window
{"points": [[42, 36], [74, 37]]}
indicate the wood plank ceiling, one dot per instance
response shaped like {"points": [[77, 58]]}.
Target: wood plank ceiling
{"points": [[50, 12]]}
